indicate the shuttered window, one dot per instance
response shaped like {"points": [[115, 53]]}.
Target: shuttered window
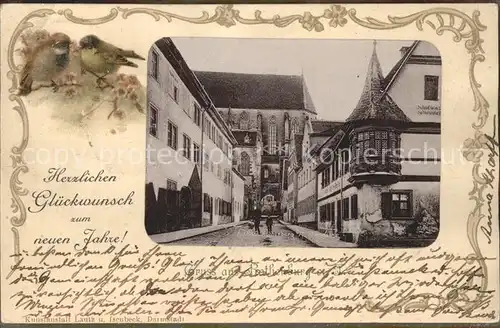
{"points": [[397, 204], [345, 208], [354, 206], [339, 210]]}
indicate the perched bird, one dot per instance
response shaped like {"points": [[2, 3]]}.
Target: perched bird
{"points": [[47, 60], [102, 58]]}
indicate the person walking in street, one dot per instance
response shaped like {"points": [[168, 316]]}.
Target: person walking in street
{"points": [[256, 221], [269, 223]]}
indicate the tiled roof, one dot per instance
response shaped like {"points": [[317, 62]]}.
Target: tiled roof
{"points": [[319, 126], [399, 65], [255, 91], [374, 104]]}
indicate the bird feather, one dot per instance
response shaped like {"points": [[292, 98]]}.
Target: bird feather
{"points": [[26, 80], [115, 59], [108, 47]]}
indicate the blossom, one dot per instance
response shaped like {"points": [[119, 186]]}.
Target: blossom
{"points": [[310, 22], [119, 114], [472, 148], [120, 92], [70, 92], [336, 15]]}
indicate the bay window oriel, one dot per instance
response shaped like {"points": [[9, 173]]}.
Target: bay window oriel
{"points": [[375, 149]]}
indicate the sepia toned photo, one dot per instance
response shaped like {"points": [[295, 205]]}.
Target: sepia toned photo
{"points": [[293, 143], [312, 163]]}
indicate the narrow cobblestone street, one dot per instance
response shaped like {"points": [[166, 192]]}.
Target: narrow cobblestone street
{"points": [[244, 235]]}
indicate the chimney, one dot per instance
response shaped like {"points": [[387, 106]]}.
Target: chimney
{"points": [[403, 51]]}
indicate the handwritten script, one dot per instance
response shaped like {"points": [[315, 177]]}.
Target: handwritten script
{"points": [[489, 177], [103, 278]]}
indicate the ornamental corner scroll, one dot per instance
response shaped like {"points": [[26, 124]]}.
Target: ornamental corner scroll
{"points": [[441, 19]]}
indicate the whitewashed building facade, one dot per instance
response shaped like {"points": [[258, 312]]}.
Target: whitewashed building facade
{"points": [[189, 147], [390, 194]]}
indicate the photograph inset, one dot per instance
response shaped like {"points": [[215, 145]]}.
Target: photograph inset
{"points": [[293, 143]]}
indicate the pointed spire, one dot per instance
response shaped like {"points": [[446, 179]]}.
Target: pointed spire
{"points": [[371, 105], [229, 120]]}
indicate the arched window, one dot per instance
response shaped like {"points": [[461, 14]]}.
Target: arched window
{"points": [[244, 121], [259, 122], [245, 164], [287, 126], [295, 127], [272, 135]]}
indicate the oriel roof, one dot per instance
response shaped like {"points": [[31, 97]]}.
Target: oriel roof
{"points": [[374, 103]]}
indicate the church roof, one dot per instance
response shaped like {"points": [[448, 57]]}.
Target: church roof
{"points": [[374, 103], [255, 91]]}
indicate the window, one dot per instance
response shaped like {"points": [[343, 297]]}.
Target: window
{"points": [[245, 164], [375, 143], [322, 213], [171, 185], [219, 144], [154, 65], [335, 168], [345, 161], [272, 138], [325, 181], [213, 133], [206, 161], [176, 94], [197, 114], [172, 135], [354, 206], [431, 88], [332, 211], [345, 208], [153, 120], [186, 149], [339, 210], [295, 127], [397, 204], [244, 121], [328, 212], [266, 173], [196, 153]]}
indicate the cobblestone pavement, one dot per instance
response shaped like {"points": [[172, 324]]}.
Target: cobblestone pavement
{"points": [[244, 235]]}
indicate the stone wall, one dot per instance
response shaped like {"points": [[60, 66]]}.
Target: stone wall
{"points": [[422, 227]]}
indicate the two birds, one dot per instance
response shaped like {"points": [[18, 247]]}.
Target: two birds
{"points": [[51, 57]]}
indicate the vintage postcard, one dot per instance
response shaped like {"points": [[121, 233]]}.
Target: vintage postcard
{"points": [[249, 163]]}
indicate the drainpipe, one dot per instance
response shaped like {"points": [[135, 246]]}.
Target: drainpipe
{"points": [[316, 198], [202, 160], [341, 164], [231, 185]]}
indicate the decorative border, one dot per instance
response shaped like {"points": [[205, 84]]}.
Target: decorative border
{"points": [[459, 24]]}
